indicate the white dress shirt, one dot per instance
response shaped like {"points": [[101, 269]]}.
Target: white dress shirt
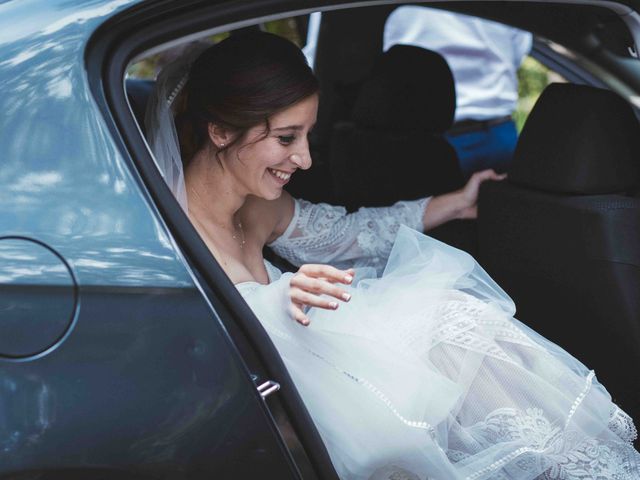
{"points": [[484, 56]]}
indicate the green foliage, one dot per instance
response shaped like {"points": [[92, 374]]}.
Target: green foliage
{"points": [[286, 28], [148, 67], [533, 77], [144, 69]]}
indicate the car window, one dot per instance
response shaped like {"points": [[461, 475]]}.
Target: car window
{"points": [[533, 78], [147, 68]]}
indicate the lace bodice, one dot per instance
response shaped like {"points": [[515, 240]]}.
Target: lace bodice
{"points": [[322, 233]]}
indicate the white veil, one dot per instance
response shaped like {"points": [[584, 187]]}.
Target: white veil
{"points": [[159, 120]]}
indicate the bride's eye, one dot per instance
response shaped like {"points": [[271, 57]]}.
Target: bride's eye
{"points": [[286, 139]]}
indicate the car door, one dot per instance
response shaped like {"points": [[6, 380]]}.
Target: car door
{"points": [[114, 359]]}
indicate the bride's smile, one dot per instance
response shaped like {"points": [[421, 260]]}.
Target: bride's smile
{"points": [[263, 162], [280, 175]]}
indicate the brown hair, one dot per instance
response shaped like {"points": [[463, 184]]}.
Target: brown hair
{"points": [[239, 83]]}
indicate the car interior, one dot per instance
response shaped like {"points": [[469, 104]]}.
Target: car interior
{"points": [[562, 234]]}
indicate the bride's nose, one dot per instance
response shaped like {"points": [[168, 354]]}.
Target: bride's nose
{"points": [[301, 159]]}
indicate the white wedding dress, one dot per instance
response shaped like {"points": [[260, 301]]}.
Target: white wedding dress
{"points": [[425, 373]]}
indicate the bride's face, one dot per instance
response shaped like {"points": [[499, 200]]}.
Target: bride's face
{"points": [[263, 166]]}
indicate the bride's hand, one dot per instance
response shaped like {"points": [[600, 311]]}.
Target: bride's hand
{"points": [[312, 281], [460, 204], [469, 193]]}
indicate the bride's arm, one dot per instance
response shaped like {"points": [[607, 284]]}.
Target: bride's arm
{"points": [[304, 232], [460, 204], [322, 233]]}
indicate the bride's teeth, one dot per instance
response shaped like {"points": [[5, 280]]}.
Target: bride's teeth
{"points": [[279, 174]]}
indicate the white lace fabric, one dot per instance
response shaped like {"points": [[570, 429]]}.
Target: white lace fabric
{"points": [[323, 233], [425, 374]]}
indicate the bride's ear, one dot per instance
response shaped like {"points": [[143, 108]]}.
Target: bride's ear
{"points": [[219, 135]]}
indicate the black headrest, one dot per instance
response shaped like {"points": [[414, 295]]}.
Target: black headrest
{"points": [[578, 139], [410, 88]]}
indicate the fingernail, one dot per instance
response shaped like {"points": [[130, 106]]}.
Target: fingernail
{"points": [[348, 278], [333, 305], [305, 322], [346, 297]]}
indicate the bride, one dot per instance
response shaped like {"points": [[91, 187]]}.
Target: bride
{"points": [[405, 352]]}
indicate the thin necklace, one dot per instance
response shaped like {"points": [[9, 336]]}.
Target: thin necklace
{"points": [[239, 239], [235, 236]]}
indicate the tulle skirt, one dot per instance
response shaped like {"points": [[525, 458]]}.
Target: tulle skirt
{"points": [[426, 374]]}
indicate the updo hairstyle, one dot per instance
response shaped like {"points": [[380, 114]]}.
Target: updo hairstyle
{"points": [[240, 83]]}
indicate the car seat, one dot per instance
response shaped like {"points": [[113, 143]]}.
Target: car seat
{"points": [[394, 146], [562, 234]]}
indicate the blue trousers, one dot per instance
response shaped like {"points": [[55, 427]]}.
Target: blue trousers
{"points": [[490, 147]]}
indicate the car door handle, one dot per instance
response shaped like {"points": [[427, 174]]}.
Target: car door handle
{"points": [[267, 388]]}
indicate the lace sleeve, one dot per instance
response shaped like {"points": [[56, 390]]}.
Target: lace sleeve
{"points": [[322, 233]]}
